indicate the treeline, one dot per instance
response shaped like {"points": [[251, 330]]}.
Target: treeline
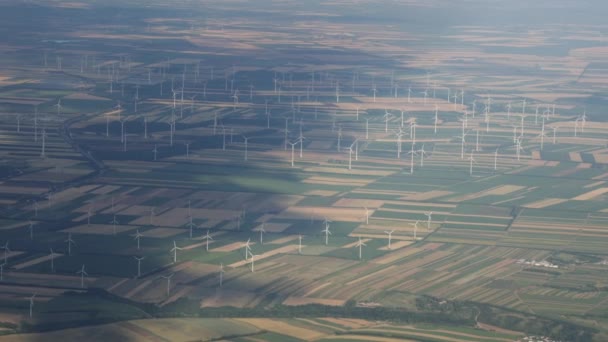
{"points": [[103, 309]]}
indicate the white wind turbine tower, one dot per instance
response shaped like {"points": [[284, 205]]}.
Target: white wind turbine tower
{"points": [[168, 277], [174, 250], [471, 161], [59, 106], [70, 242], [221, 274], [246, 139], [399, 134], [82, 273], [262, 231], [412, 154], [518, 147], [374, 90], [252, 262], [114, 222], [247, 247], [426, 94], [155, 151], [326, 231], [151, 215], [415, 224], [495, 159], [191, 225], [360, 244], [43, 135], [463, 142], [6, 251], [554, 134], [422, 155], [300, 140], [509, 110], [390, 236], [293, 145], [300, 244], [137, 237], [409, 94], [413, 126], [367, 211], [207, 238], [429, 216], [31, 229], [436, 119], [366, 129], [32, 304], [386, 116], [52, 257], [139, 259]]}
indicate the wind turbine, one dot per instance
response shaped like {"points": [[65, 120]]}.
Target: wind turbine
{"points": [[300, 244], [207, 238], [174, 250], [262, 231], [168, 277], [386, 116], [471, 161], [114, 222], [31, 228], [326, 231], [412, 153], [32, 304], [191, 225], [246, 140], [436, 119], [70, 243], [252, 261], [390, 236], [221, 274], [415, 224], [247, 247], [428, 221], [422, 155], [6, 251], [137, 237], [139, 259], [155, 151], [82, 273], [293, 145], [52, 257], [360, 244], [366, 215], [495, 159]]}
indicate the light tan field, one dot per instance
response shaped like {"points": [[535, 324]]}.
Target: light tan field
{"points": [[281, 250], [296, 301], [283, 328], [545, 203], [591, 194], [333, 214]]}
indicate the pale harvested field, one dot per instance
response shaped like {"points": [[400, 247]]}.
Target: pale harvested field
{"points": [[323, 193], [425, 196], [271, 227], [163, 232], [591, 194], [295, 301], [352, 323], [87, 97], [396, 245], [35, 261], [358, 203], [353, 244], [281, 250], [230, 247], [545, 203], [336, 181], [345, 170], [283, 240], [333, 214], [283, 328], [369, 338], [500, 190]]}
